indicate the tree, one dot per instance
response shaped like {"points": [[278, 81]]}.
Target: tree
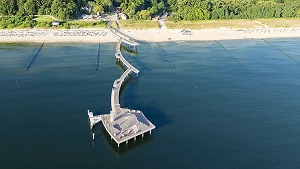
{"points": [[288, 12], [44, 7], [161, 6], [144, 15], [29, 7], [63, 9], [8, 7]]}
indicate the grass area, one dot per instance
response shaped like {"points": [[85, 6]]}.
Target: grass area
{"points": [[45, 22], [140, 24], [114, 25], [208, 24], [43, 19], [275, 23], [88, 24]]}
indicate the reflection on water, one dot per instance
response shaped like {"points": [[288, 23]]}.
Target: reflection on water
{"points": [[237, 116]]}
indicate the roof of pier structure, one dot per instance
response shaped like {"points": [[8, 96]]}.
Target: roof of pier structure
{"points": [[127, 125]]}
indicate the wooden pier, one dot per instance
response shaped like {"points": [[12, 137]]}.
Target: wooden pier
{"points": [[122, 124]]}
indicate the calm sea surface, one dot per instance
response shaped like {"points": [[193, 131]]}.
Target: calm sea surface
{"points": [[210, 112]]}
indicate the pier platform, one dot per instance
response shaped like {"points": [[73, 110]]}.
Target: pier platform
{"points": [[128, 124]]}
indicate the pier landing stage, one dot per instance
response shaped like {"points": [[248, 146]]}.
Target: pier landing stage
{"points": [[127, 124]]}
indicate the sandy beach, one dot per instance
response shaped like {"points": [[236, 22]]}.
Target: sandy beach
{"points": [[151, 35]]}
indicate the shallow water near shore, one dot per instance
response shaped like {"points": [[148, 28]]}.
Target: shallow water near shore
{"points": [[210, 111]]}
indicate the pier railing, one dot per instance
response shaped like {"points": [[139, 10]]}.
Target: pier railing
{"points": [[115, 103], [121, 35], [122, 124], [115, 93], [121, 57]]}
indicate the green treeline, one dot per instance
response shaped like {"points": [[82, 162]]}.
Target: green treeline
{"points": [[63, 9], [212, 9], [20, 12], [234, 9]]}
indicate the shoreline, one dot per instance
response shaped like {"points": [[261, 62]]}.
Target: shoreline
{"points": [[151, 35]]}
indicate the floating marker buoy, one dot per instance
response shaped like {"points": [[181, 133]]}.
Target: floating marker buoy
{"points": [[16, 81], [196, 86]]}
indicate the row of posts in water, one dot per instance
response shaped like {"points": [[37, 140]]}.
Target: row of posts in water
{"points": [[128, 46]]}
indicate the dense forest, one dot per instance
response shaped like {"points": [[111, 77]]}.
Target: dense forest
{"points": [[20, 12]]}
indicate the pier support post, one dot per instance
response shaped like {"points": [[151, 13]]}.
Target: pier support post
{"points": [[150, 131], [118, 145], [143, 135], [134, 138], [93, 136]]}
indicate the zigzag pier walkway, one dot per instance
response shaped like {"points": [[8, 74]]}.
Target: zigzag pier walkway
{"points": [[34, 57], [121, 35], [121, 58], [122, 124]]}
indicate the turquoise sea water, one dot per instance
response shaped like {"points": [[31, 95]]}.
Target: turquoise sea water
{"points": [[210, 112]]}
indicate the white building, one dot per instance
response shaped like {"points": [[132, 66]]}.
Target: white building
{"points": [[123, 16]]}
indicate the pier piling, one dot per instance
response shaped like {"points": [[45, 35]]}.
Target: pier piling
{"points": [[166, 56], [280, 50], [97, 61], [34, 56], [231, 53]]}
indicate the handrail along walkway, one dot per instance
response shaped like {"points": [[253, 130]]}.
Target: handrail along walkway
{"points": [[122, 124]]}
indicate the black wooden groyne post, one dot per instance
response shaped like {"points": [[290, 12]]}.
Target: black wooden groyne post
{"points": [[231, 53], [97, 61], [166, 56], [34, 57], [281, 50]]}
